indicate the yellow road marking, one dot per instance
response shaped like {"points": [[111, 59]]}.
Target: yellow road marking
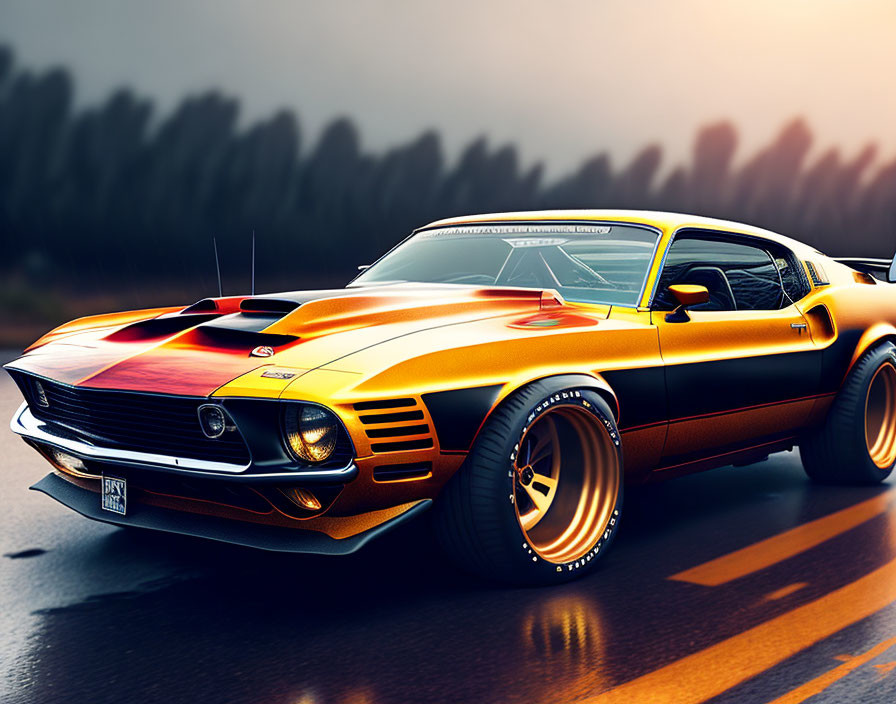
{"points": [[707, 673], [785, 545], [884, 669], [785, 591], [821, 683]]}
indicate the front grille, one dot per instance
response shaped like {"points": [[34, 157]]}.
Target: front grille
{"points": [[402, 428], [164, 425]]}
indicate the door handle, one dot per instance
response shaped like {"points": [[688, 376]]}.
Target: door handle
{"points": [[799, 327]]}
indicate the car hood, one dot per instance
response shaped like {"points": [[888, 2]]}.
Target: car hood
{"points": [[198, 349]]}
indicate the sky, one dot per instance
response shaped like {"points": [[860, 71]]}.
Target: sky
{"points": [[563, 79]]}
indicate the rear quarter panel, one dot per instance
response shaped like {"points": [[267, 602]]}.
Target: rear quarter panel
{"points": [[863, 315]]}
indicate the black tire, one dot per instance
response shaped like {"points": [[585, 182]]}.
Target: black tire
{"points": [[838, 452], [477, 516]]}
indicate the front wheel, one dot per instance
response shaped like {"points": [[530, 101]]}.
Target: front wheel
{"points": [[857, 443], [539, 498]]}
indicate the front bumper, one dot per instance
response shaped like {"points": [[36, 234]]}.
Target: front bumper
{"points": [[24, 423], [256, 535], [246, 505]]}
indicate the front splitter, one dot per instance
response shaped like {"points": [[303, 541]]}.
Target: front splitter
{"points": [[254, 535]]}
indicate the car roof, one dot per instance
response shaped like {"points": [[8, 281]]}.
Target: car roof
{"points": [[666, 222]]}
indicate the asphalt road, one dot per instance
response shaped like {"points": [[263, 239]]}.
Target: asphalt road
{"points": [[738, 585]]}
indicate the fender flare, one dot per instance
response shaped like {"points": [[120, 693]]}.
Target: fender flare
{"points": [[459, 415], [874, 334], [598, 384], [569, 379]]}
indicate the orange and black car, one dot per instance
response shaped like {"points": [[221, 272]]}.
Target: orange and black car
{"points": [[509, 371]]}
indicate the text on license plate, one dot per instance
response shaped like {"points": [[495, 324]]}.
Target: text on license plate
{"points": [[115, 495]]}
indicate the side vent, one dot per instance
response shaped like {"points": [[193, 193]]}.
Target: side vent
{"points": [[392, 417], [816, 273], [395, 428], [380, 405], [402, 472], [821, 323]]}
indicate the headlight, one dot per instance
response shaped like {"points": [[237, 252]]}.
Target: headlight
{"points": [[311, 432]]}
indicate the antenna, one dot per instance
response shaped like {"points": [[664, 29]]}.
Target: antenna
{"points": [[253, 263], [218, 267]]}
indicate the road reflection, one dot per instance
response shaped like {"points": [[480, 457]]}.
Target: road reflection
{"points": [[254, 627], [393, 623], [563, 642]]}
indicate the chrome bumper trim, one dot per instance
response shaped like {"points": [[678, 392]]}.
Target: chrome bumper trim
{"points": [[24, 423]]}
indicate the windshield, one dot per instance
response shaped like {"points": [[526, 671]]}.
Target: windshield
{"points": [[586, 263]]}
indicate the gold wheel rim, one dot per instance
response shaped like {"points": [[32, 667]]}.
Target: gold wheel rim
{"points": [[880, 416], [566, 483]]}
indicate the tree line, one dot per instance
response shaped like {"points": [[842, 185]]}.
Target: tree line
{"points": [[114, 193]]}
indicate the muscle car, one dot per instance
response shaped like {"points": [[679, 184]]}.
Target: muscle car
{"points": [[513, 371]]}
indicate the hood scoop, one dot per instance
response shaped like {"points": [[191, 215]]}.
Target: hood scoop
{"points": [[254, 316], [159, 328], [268, 305], [230, 337]]}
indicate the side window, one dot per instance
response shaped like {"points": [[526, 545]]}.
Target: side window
{"points": [[738, 276]]}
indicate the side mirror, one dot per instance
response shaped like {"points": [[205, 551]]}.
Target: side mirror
{"points": [[687, 295]]}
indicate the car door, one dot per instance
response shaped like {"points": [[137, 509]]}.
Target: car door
{"points": [[741, 370]]}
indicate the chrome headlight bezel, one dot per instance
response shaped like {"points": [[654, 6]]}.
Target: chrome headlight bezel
{"points": [[214, 420]]}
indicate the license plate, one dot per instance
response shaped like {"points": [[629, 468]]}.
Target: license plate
{"points": [[115, 495]]}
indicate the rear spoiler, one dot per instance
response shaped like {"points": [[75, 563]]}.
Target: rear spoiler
{"points": [[883, 269]]}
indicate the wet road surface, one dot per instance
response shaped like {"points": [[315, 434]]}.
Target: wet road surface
{"points": [[738, 585]]}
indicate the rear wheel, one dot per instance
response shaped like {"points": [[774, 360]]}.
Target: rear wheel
{"points": [[857, 443], [539, 498]]}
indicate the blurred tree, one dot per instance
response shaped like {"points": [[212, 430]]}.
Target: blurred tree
{"points": [[634, 184], [589, 187], [6, 63], [713, 153], [765, 186], [114, 195]]}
